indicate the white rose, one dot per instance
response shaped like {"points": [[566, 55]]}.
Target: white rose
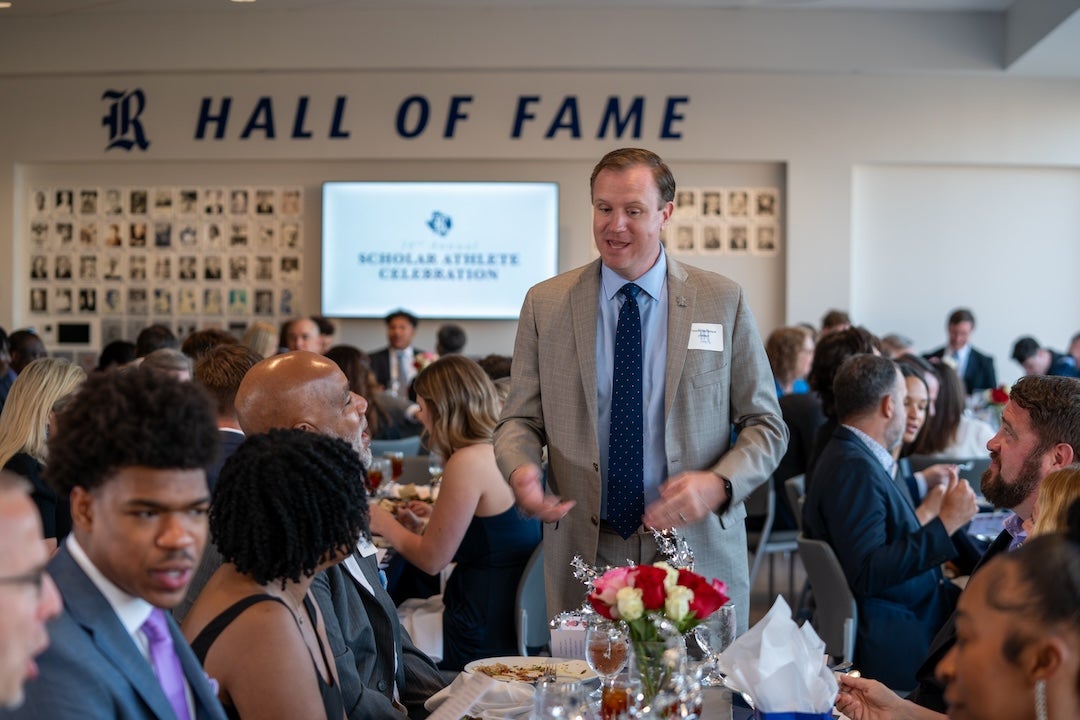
{"points": [[628, 602], [672, 579], [677, 603]]}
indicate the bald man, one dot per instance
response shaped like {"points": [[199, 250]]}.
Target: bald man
{"points": [[28, 597], [382, 674]]}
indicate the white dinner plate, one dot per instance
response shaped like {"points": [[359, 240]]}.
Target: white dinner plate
{"points": [[529, 669]]}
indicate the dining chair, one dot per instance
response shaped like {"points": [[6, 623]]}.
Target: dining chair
{"points": [[795, 489], [836, 616], [531, 607], [766, 541], [408, 446]]}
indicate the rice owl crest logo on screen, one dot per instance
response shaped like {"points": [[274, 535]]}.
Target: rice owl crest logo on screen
{"points": [[440, 223], [122, 120]]}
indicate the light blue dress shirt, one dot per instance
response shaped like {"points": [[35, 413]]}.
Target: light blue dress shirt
{"points": [[653, 305]]}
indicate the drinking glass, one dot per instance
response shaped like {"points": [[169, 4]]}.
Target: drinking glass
{"points": [[606, 648], [397, 462], [376, 474], [619, 697], [555, 700], [713, 636]]}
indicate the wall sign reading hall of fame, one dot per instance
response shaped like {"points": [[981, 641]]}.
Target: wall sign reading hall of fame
{"points": [[731, 221], [188, 257]]}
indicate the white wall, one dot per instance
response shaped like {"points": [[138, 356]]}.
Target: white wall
{"points": [[928, 92]]}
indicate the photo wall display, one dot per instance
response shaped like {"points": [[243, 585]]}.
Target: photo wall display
{"points": [[186, 257], [724, 220]]}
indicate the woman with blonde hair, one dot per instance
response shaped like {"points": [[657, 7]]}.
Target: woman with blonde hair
{"points": [[1057, 491], [474, 523], [24, 428], [261, 337]]}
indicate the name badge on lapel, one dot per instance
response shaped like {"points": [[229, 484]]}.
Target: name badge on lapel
{"points": [[706, 336]]}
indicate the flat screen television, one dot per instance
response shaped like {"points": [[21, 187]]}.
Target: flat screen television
{"points": [[466, 250]]}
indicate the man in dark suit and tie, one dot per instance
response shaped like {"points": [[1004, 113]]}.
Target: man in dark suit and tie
{"points": [[383, 675], [975, 368], [395, 365], [632, 370], [129, 450], [891, 562]]}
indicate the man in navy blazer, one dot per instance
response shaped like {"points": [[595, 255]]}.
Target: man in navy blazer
{"points": [[130, 451], [891, 562], [976, 369]]}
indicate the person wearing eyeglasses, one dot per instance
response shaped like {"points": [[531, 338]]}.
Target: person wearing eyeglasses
{"points": [[28, 597]]}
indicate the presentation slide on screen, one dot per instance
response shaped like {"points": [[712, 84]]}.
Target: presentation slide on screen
{"points": [[467, 250]]}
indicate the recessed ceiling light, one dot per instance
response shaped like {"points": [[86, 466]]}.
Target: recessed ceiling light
{"points": [[4, 5], [243, 1]]}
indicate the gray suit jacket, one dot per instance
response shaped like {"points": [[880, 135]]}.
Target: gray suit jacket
{"points": [[553, 398], [93, 669], [362, 628]]}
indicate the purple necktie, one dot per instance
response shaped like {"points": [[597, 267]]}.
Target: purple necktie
{"points": [[166, 663]]}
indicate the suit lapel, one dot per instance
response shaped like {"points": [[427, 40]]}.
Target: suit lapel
{"points": [[89, 608], [681, 296], [203, 694], [584, 298], [380, 600]]}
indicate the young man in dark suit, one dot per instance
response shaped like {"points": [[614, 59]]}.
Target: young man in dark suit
{"points": [[975, 368], [129, 450]]}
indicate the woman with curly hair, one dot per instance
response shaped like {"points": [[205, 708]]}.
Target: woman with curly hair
{"points": [[24, 427], [288, 504], [474, 523]]}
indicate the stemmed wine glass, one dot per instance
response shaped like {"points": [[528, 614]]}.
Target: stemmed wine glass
{"points": [[607, 646], [435, 470], [713, 636]]}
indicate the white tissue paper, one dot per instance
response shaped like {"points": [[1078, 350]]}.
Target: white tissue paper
{"points": [[479, 696], [780, 665]]}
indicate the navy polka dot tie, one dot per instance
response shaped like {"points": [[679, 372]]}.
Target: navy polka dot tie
{"points": [[626, 486]]}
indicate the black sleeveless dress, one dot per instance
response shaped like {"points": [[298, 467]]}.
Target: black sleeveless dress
{"points": [[331, 694]]}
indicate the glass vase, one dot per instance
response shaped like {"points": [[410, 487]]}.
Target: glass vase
{"points": [[658, 666]]}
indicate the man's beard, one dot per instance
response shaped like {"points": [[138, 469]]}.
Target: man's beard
{"points": [[1010, 495]]}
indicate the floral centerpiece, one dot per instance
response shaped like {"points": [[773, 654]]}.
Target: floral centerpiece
{"points": [[655, 602], [422, 360], [995, 400]]}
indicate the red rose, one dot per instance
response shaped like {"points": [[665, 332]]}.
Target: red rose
{"points": [[998, 396], [708, 596], [600, 606], [650, 580]]}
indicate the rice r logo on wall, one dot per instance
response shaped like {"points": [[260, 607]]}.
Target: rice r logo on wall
{"points": [[122, 120]]}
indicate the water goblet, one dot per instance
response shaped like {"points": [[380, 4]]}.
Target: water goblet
{"points": [[607, 646], [555, 700], [377, 474], [397, 462], [713, 636]]}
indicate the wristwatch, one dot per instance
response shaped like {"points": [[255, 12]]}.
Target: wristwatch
{"points": [[727, 489]]}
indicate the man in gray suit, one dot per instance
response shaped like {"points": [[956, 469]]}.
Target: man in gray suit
{"points": [[129, 451], [703, 371], [383, 675]]}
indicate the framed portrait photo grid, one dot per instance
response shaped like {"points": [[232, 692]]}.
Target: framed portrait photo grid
{"points": [[724, 221], [188, 257]]}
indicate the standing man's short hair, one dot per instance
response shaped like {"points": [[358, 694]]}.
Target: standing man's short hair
{"points": [[960, 315], [625, 158], [401, 313]]}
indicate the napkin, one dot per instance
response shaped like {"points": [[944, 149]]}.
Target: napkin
{"points": [[422, 618], [478, 695], [780, 665]]}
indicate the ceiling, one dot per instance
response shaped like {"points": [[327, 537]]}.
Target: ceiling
{"points": [[1033, 37]]}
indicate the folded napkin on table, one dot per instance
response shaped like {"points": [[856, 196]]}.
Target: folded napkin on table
{"points": [[479, 696], [423, 619], [781, 666]]}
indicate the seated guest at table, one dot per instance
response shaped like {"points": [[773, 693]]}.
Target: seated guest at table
{"points": [[287, 506], [262, 338], [834, 321], [831, 351], [28, 597], [474, 523], [301, 334], [1018, 650], [450, 340], [791, 352], [389, 417], [155, 337], [129, 449], [116, 354], [383, 675], [1057, 492], [1037, 360], [950, 432], [891, 562], [24, 428]]}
